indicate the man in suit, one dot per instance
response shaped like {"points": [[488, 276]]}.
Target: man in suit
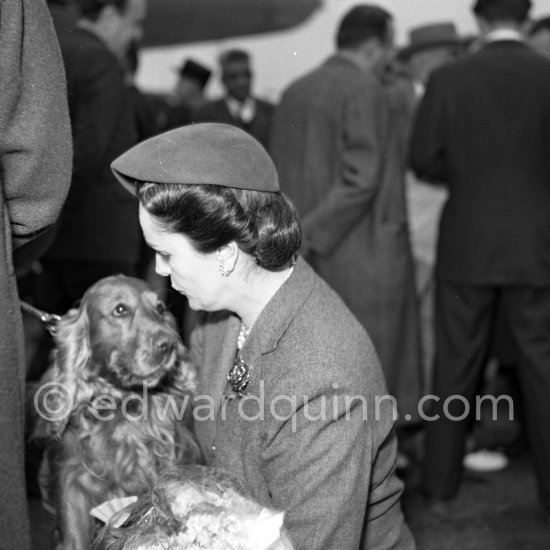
{"points": [[35, 168], [539, 36], [99, 233], [239, 107], [430, 46], [338, 143], [483, 128], [188, 94]]}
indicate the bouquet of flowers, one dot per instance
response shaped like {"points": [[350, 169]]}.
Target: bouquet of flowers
{"points": [[195, 508]]}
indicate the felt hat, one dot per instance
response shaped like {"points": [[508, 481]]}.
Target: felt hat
{"points": [[205, 154], [433, 35], [194, 69]]}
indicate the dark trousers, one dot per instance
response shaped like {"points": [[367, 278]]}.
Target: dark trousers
{"points": [[464, 324]]}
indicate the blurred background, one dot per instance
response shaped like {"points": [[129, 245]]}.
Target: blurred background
{"points": [[287, 37]]}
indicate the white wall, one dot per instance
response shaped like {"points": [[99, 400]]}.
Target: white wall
{"points": [[280, 57]]}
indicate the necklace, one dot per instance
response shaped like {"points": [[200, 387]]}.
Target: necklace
{"points": [[239, 374], [244, 331], [243, 335]]}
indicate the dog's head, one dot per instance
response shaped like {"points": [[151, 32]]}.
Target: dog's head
{"points": [[120, 338], [132, 337]]}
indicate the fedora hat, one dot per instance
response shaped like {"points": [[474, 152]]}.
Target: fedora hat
{"points": [[433, 35], [193, 69]]}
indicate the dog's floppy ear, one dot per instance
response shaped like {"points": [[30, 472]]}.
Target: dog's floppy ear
{"points": [[63, 386]]}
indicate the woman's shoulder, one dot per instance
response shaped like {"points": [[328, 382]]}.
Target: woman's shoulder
{"points": [[326, 344], [328, 316], [312, 307]]}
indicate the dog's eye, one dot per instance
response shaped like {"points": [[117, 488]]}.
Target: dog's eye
{"points": [[161, 308], [120, 310]]}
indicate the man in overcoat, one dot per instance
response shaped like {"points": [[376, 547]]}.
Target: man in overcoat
{"points": [[483, 128], [98, 233], [338, 143], [35, 167]]}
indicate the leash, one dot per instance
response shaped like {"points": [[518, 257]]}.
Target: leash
{"points": [[50, 320]]}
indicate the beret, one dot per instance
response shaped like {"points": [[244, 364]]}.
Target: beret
{"points": [[203, 154]]}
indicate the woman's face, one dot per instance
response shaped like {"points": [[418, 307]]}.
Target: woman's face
{"points": [[192, 273]]}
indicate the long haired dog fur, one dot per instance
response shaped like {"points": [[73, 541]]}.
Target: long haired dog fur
{"points": [[115, 404]]}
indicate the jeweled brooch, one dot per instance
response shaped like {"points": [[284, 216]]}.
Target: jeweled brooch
{"points": [[239, 376]]}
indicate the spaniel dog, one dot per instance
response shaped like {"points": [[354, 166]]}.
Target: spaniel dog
{"points": [[115, 404]]}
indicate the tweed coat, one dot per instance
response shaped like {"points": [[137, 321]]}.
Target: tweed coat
{"points": [[331, 473], [259, 126], [100, 220], [35, 158], [338, 143], [491, 149]]}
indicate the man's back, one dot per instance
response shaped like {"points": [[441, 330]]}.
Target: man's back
{"points": [[335, 145], [484, 128], [333, 103], [99, 222]]}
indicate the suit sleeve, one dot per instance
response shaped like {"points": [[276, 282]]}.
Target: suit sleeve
{"points": [[427, 145], [35, 133], [318, 468], [364, 141], [385, 526]]}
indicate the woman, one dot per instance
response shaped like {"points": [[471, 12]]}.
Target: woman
{"points": [[288, 379]]}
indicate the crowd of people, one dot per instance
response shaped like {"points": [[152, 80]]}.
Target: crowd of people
{"points": [[382, 230]]}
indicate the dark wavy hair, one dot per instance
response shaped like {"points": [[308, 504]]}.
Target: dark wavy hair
{"points": [[264, 225], [495, 11]]}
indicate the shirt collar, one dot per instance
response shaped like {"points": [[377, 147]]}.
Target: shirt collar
{"points": [[503, 34], [245, 111], [419, 89]]}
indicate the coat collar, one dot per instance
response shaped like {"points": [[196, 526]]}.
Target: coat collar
{"points": [[282, 308], [263, 338], [510, 43], [266, 332], [340, 59], [88, 34]]}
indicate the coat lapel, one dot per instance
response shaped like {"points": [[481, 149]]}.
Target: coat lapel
{"points": [[283, 307], [221, 341]]}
